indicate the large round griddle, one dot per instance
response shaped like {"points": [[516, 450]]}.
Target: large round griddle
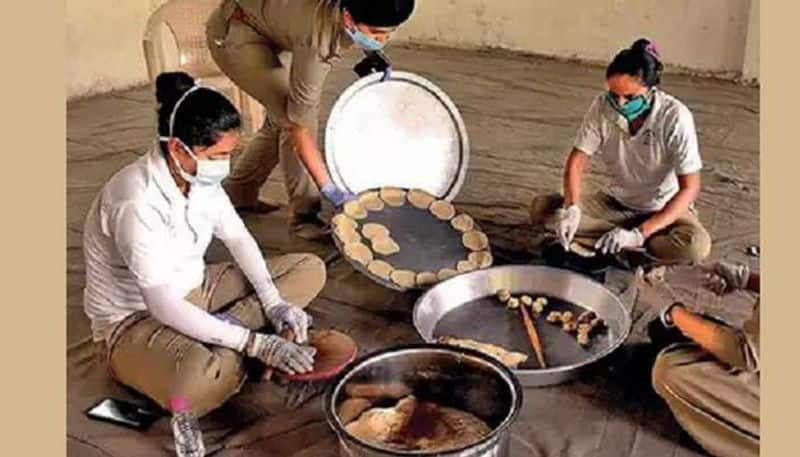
{"points": [[426, 242], [464, 307]]}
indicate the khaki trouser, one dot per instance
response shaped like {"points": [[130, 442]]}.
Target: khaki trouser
{"points": [[161, 363], [249, 60], [686, 240], [717, 405]]}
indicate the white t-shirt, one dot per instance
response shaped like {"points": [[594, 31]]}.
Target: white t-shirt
{"points": [[644, 167], [141, 232]]}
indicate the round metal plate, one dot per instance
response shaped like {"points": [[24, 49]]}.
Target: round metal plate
{"points": [[404, 132]]}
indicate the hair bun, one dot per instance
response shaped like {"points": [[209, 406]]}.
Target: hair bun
{"points": [[647, 46], [171, 86]]}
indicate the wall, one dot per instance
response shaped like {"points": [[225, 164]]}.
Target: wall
{"points": [[719, 36]]}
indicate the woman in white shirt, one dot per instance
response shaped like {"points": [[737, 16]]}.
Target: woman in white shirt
{"points": [[170, 326], [647, 141]]}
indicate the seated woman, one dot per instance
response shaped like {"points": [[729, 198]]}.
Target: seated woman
{"points": [[170, 326], [646, 138], [710, 373]]}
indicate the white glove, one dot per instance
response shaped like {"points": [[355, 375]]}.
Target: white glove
{"points": [[618, 238], [287, 315], [279, 353], [565, 224], [726, 277], [187, 434]]}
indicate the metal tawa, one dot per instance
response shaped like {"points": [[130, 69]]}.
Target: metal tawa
{"points": [[465, 307], [404, 132], [426, 242]]}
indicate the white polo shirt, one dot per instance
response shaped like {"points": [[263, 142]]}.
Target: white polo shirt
{"points": [[644, 167], [142, 232]]}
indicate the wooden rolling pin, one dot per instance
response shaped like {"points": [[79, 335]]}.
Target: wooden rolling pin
{"points": [[533, 336]]}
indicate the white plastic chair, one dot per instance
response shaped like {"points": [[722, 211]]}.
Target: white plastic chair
{"points": [[181, 24]]}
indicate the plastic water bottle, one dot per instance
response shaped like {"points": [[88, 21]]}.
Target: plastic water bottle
{"points": [[186, 430]]}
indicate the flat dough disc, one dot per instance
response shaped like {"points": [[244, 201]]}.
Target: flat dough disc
{"points": [[483, 259], [463, 223], [372, 230], [380, 269], [420, 198], [393, 196], [385, 245], [404, 278], [355, 210], [443, 210], [445, 273], [359, 252], [346, 234], [475, 240], [343, 220], [371, 201], [465, 266], [426, 278]]}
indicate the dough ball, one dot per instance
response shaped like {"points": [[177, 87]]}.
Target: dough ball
{"points": [[355, 210], [583, 338], [569, 326], [537, 307], [393, 196], [554, 317], [463, 222], [567, 316], [380, 269], [343, 220], [359, 252], [443, 210], [426, 278], [404, 278], [371, 230], [371, 201], [420, 198], [446, 273], [513, 303], [483, 259], [584, 328], [586, 316], [465, 266], [475, 240], [346, 234], [385, 245], [503, 295], [526, 300]]}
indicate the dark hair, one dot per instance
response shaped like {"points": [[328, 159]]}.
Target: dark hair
{"points": [[202, 117], [379, 13], [641, 59]]}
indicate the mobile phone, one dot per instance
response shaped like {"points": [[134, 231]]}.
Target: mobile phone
{"points": [[123, 413]]}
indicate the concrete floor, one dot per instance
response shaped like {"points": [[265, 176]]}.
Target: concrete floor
{"points": [[521, 114]]}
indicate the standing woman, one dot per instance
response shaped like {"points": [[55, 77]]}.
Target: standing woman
{"points": [[280, 52]]}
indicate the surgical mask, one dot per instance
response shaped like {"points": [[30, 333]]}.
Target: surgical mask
{"points": [[366, 43], [632, 109]]}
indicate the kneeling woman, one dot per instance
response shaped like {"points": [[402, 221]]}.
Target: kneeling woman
{"points": [[170, 326]]}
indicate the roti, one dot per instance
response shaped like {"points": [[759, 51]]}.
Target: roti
{"points": [[393, 196], [355, 210], [372, 230], [483, 259], [404, 278], [443, 210], [380, 269], [420, 199], [475, 240], [359, 252], [463, 223]]}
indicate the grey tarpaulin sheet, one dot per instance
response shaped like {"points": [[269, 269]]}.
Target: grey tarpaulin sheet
{"points": [[521, 114]]}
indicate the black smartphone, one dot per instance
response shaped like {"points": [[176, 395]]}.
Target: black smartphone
{"points": [[123, 413]]}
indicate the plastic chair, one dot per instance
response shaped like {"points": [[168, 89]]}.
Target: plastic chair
{"points": [[181, 23]]}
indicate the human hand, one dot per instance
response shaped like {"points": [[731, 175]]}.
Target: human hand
{"points": [[335, 195], [282, 354], [724, 277], [289, 316], [566, 223], [618, 238]]}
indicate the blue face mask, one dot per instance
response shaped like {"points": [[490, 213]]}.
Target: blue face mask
{"points": [[632, 109], [366, 43]]}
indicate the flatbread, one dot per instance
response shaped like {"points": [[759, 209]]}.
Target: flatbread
{"points": [[445, 273], [359, 252], [426, 278], [371, 230], [380, 269], [346, 234], [355, 210], [393, 196], [465, 266], [443, 210], [404, 278], [343, 220], [475, 240], [508, 358], [419, 198], [385, 245], [463, 222], [371, 201], [483, 259]]}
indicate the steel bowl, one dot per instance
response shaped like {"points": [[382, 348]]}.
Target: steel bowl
{"points": [[464, 306], [454, 377]]}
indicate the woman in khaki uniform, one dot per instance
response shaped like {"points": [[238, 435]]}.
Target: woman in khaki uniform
{"points": [[280, 52]]}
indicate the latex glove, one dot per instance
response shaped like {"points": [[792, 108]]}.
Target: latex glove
{"points": [[335, 195], [617, 239], [279, 353], [187, 434], [566, 224], [285, 315], [726, 277]]}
